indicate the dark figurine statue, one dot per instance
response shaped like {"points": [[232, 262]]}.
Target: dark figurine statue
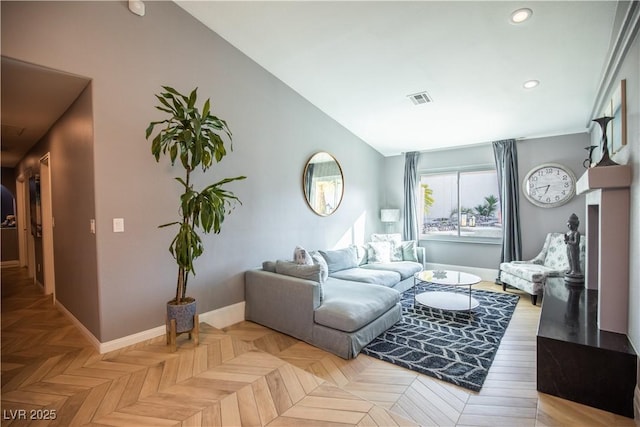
{"points": [[572, 239]]}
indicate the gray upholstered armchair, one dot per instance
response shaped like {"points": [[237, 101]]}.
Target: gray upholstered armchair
{"points": [[530, 276]]}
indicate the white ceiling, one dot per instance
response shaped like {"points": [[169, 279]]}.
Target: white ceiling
{"points": [[357, 61]]}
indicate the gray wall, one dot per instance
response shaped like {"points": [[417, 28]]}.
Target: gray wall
{"points": [[567, 150], [536, 222], [275, 131]]}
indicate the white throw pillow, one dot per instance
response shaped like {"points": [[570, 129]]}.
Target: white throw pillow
{"points": [[379, 252], [301, 256]]}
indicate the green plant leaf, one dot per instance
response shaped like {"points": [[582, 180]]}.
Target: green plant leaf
{"points": [[206, 108], [192, 98]]}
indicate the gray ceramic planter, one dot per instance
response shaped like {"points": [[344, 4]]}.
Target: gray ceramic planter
{"points": [[183, 314]]}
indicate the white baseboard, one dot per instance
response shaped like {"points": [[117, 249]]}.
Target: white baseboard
{"points": [[225, 316], [88, 335], [220, 318], [487, 274]]}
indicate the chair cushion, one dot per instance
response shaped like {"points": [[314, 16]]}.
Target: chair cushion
{"points": [[406, 269], [350, 306], [528, 271], [533, 288]]}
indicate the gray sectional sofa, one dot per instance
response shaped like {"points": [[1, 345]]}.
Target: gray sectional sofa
{"points": [[340, 303]]}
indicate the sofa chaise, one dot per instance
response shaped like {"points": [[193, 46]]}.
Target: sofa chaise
{"points": [[340, 303]]}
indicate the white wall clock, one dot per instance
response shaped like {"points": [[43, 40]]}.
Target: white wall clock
{"points": [[549, 185]]}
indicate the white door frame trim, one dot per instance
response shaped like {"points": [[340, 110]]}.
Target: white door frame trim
{"points": [[47, 225]]}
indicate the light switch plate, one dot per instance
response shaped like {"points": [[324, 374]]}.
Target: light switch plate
{"points": [[118, 225]]}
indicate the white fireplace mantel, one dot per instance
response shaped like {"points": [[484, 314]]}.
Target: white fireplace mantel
{"points": [[607, 195], [604, 177]]}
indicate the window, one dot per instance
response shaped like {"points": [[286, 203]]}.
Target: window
{"points": [[460, 204]]}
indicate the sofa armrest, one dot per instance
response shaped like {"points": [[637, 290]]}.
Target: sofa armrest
{"points": [[281, 302]]}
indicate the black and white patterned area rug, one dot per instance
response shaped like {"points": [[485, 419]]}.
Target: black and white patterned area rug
{"points": [[454, 346]]}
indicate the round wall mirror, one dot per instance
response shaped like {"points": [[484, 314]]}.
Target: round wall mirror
{"points": [[323, 183]]}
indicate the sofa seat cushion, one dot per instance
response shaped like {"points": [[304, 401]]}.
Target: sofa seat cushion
{"points": [[365, 275], [529, 271], [405, 269], [350, 306]]}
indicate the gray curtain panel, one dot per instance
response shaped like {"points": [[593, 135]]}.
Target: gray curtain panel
{"points": [[410, 184], [506, 157]]}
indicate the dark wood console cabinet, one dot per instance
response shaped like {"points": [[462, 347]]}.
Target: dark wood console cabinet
{"points": [[576, 360]]}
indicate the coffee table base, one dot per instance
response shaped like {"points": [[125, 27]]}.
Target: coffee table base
{"points": [[447, 301]]}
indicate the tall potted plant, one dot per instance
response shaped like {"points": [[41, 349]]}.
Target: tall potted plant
{"points": [[194, 139]]}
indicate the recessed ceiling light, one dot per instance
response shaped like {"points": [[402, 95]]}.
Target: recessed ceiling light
{"points": [[521, 15], [530, 84]]}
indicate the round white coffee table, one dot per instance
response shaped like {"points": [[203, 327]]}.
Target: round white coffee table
{"points": [[454, 301]]}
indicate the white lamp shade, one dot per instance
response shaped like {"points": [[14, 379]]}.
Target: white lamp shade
{"points": [[389, 215]]}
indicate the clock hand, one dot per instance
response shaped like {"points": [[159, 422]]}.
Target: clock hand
{"points": [[544, 186]]}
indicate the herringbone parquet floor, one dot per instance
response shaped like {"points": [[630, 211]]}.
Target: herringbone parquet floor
{"points": [[249, 375]]}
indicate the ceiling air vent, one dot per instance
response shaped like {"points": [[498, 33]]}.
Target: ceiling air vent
{"points": [[8, 131], [420, 98]]}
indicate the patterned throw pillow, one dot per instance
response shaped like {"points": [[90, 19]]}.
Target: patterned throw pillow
{"points": [[379, 252], [301, 256], [396, 244]]}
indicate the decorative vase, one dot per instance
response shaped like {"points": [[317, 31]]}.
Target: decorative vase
{"points": [[605, 160], [183, 313]]}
